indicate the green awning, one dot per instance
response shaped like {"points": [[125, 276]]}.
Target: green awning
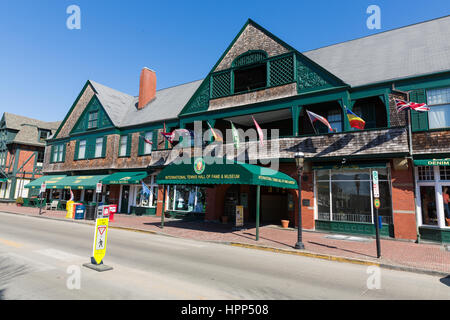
{"points": [[79, 182], [432, 162], [3, 179], [125, 177], [50, 182], [218, 171]]}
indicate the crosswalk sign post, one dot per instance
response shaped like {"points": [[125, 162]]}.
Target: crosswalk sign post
{"points": [[99, 246], [376, 195]]}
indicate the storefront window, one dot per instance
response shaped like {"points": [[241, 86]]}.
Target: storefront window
{"points": [[444, 173], [428, 200], [187, 198], [147, 200], [351, 196], [426, 173]]}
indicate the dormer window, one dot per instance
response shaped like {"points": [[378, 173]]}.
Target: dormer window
{"points": [[250, 71], [43, 135], [251, 78], [93, 120]]}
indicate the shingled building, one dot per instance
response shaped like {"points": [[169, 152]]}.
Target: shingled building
{"points": [[261, 76]]}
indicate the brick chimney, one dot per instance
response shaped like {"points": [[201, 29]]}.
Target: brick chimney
{"points": [[147, 87]]}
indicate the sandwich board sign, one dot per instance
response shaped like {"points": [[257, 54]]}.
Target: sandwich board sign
{"points": [[101, 230], [239, 216]]}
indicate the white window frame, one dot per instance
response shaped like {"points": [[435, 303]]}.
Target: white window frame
{"points": [[84, 149], [148, 147], [437, 184], [98, 148], [440, 104], [123, 145]]}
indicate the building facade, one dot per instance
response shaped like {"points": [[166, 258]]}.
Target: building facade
{"points": [[22, 146], [261, 77]]}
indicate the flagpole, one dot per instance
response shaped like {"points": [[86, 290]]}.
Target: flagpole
{"points": [[312, 122]]}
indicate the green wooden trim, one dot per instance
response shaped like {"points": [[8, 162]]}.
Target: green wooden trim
{"points": [[64, 153], [353, 228], [141, 143], [129, 144], [104, 146], [419, 120], [103, 119], [435, 234]]}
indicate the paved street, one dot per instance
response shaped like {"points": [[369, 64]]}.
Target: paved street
{"points": [[35, 255]]}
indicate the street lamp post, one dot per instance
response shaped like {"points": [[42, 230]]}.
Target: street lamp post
{"points": [[299, 160]]}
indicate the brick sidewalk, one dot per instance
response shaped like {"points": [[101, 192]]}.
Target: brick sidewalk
{"points": [[427, 256]]}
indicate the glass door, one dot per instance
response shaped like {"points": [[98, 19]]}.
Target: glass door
{"points": [[446, 200], [428, 205]]}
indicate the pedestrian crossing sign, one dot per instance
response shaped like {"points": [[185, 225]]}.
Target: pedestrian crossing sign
{"points": [[99, 248]]}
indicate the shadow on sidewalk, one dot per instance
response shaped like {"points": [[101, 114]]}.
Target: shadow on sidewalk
{"points": [[445, 281], [341, 249], [194, 225]]}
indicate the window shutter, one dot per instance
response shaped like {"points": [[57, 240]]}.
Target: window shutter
{"points": [[419, 120], [155, 140], [64, 152], [90, 148], [77, 146], [141, 143], [129, 140], [104, 146], [52, 152]]}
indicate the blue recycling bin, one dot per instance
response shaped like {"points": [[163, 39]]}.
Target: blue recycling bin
{"points": [[80, 210]]}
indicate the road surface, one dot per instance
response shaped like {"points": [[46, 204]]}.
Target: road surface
{"points": [[43, 258]]}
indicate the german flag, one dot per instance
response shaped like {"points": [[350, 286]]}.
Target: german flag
{"points": [[355, 121]]}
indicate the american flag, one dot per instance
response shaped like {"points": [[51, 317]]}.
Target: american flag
{"points": [[403, 105]]}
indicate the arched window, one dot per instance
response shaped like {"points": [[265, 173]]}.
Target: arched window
{"points": [[373, 111]]}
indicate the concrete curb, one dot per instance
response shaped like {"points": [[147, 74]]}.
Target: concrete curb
{"points": [[264, 248]]}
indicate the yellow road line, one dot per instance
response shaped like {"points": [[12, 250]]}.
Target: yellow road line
{"points": [[307, 254], [11, 243]]}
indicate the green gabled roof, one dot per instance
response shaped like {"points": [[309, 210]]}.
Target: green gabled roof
{"points": [[205, 85]]}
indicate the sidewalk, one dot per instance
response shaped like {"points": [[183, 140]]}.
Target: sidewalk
{"points": [[424, 256]]}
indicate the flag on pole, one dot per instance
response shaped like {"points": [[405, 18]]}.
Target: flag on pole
{"points": [[146, 140], [403, 105], [260, 132], [215, 135], [355, 121], [235, 134], [169, 136], [315, 117], [145, 189]]}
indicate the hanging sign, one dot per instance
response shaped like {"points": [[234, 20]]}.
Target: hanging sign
{"points": [[376, 188], [99, 187], [101, 230], [43, 187]]}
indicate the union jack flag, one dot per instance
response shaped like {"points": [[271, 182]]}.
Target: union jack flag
{"points": [[403, 105]]}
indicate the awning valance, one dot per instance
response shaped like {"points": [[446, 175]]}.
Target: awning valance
{"points": [[125, 177], [50, 182], [79, 182], [219, 171], [432, 162], [3, 179]]}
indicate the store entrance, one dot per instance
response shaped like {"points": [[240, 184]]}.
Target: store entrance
{"points": [[446, 200], [428, 202], [125, 199]]}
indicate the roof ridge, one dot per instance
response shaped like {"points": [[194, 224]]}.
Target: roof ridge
{"points": [[376, 34]]}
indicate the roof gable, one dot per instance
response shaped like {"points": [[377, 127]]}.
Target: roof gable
{"points": [[103, 120]]}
